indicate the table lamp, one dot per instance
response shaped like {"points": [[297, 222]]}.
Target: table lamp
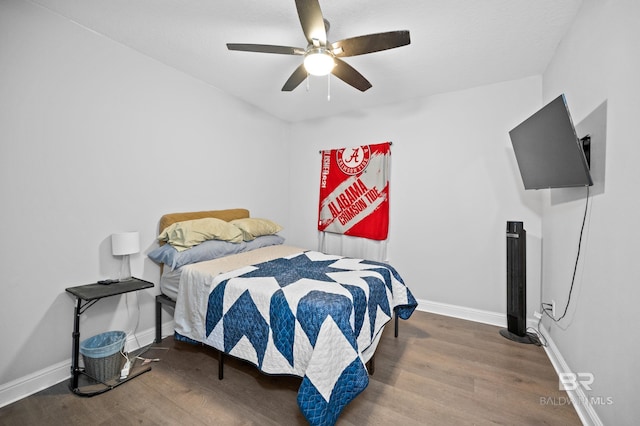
{"points": [[123, 244]]}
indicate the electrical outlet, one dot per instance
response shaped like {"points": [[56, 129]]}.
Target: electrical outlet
{"points": [[553, 308]]}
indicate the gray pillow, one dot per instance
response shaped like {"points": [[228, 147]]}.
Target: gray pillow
{"points": [[208, 250]]}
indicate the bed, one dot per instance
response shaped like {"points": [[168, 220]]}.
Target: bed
{"points": [[285, 309]]}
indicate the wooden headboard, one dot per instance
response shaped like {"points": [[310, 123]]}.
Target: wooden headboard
{"points": [[228, 215]]}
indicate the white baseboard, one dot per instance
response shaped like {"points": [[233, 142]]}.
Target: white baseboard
{"points": [[35, 382], [471, 314], [579, 399], [54, 374]]}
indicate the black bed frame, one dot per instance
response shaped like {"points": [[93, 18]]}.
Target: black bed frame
{"points": [[161, 299]]}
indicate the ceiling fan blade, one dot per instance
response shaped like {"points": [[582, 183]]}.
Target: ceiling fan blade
{"points": [[349, 75], [312, 21], [296, 78], [370, 43], [265, 48]]}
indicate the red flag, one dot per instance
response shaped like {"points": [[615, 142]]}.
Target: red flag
{"points": [[354, 191]]}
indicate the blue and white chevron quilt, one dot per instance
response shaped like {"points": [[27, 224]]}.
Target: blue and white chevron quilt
{"points": [[311, 315]]}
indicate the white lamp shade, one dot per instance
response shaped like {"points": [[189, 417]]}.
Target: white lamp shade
{"points": [[318, 63], [124, 243]]}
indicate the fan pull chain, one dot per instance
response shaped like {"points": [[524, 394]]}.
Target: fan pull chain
{"points": [[329, 87], [307, 82]]}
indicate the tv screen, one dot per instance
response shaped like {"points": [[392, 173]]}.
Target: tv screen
{"points": [[548, 151]]}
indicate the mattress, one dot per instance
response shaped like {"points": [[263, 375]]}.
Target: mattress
{"points": [[169, 282]]}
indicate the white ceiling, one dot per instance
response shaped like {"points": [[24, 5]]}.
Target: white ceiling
{"points": [[455, 44]]}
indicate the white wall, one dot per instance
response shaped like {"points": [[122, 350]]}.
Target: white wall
{"points": [[454, 185], [95, 139], [597, 67]]}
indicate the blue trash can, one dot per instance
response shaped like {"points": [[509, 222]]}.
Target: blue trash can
{"points": [[101, 355]]}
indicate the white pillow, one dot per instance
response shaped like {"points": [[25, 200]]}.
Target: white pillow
{"points": [[189, 233], [252, 227]]}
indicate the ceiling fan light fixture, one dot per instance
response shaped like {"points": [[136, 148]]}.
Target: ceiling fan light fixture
{"points": [[318, 62]]}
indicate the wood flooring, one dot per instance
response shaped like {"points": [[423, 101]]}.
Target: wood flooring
{"points": [[439, 371]]}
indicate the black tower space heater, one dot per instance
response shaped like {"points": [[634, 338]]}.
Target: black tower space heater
{"points": [[517, 285]]}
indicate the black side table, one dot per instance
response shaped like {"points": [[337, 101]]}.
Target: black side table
{"points": [[87, 296]]}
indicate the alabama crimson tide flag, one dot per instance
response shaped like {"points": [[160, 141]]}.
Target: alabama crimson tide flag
{"points": [[354, 191]]}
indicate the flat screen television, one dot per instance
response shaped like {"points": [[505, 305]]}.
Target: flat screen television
{"points": [[548, 151]]}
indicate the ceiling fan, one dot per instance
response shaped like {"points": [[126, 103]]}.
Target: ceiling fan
{"points": [[322, 57]]}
